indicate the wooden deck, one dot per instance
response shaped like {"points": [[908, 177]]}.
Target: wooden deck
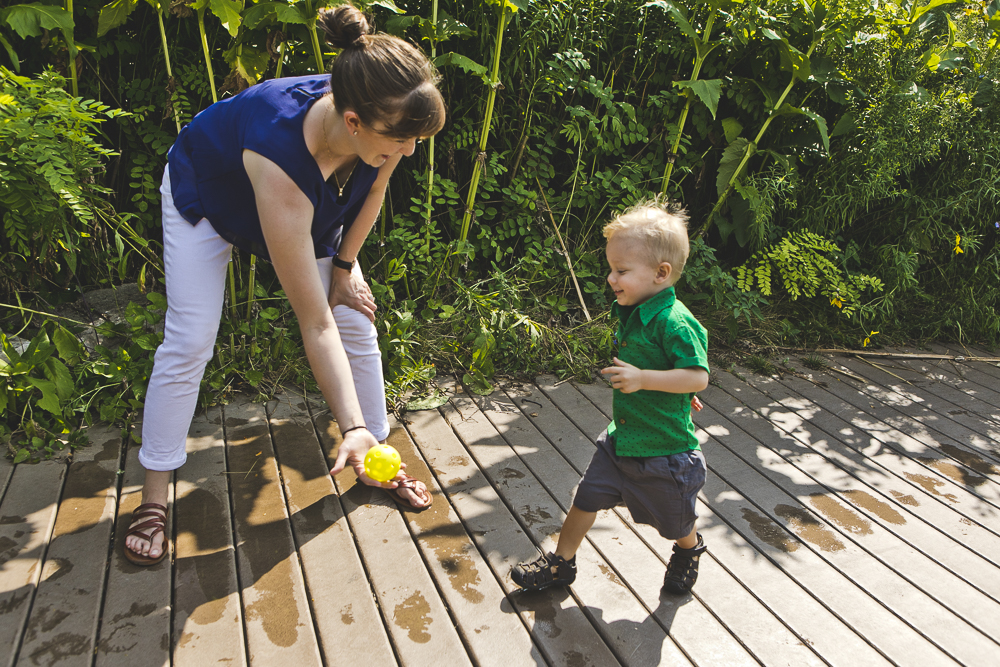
{"points": [[852, 518]]}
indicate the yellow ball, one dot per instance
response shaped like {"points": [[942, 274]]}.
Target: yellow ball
{"points": [[382, 463]]}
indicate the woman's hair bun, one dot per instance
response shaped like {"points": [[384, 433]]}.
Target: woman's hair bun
{"points": [[345, 26]]}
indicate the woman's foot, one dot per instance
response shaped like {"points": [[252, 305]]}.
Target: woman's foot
{"points": [[145, 538]]}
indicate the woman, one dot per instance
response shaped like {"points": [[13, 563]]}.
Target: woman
{"points": [[294, 170]]}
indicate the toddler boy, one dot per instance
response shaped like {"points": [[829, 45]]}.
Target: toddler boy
{"points": [[649, 457]]}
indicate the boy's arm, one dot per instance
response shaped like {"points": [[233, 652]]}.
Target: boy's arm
{"points": [[629, 378]]}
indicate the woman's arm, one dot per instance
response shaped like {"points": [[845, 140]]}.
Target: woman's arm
{"points": [[286, 218], [349, 288]]}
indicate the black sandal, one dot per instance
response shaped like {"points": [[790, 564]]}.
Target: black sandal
{"points": [[682, 570], [538, 575]]}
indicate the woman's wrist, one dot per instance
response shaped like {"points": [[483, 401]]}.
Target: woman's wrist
{"points": [[345, 431]]}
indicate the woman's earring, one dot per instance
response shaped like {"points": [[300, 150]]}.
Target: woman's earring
{"points": [[355, 133]]}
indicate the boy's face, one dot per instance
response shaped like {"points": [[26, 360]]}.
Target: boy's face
{"points": [[633, 278]]}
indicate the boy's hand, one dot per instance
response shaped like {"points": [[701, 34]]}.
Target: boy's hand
{"points": [[696, 404], [624, 376]]}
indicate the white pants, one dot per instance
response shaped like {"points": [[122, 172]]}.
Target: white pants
{"points": [[195, 258]]}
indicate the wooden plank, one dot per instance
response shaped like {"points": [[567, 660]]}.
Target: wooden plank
{"points": [[347, 618], [927, 451], [739, 492], [932, 414], [796, 443], [697, 632], [135, 621], [27, 517], [897, 482], [600, 394], [547, 481], [916, 588], [417, 619], [490, 628], [62, 629], [881, 444], [559, 628], [208, 619], [768, 639], [279, 624]]}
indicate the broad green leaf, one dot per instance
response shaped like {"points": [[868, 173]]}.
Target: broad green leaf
{"points": [[157, 300], [57, 373], [282, 11], [30, 20], [931, 5], [254, 377], [821, 125], [50, 398], [708, 91], [429, 402], [228, 11], [388, 4], [677, 15], [931, 58], [22, 455], [731, 159], [732, 128], [67, 344], [770, 95], [114, 15], [12, 55], [845, 125], [3, 400], [252, 63], [458, 60]]}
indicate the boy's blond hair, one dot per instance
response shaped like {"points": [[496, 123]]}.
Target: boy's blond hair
{"points": [[655, 233]]}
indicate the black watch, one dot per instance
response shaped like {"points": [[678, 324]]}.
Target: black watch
{"points": [[341, 264]]}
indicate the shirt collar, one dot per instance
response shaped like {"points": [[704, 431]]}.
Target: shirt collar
{"points": [[651, 307]]}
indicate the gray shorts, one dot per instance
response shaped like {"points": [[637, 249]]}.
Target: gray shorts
{"points": [[658, 490]]}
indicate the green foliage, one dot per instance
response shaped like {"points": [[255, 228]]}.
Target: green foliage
{"points": [[820, 152], [801, 260]]}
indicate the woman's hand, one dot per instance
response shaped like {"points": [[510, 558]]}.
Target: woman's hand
{"points": [[352, 452], [351, 289]]}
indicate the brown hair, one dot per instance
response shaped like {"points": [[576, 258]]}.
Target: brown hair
{"points": [[381, 77], [655, 233]]}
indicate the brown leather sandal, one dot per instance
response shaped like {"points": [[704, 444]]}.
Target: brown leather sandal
{"points": [[414, 485], [155, 518]]}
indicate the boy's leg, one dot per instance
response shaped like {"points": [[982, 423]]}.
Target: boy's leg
{"points": [[574, 529], [689, 541], [559, 568]]}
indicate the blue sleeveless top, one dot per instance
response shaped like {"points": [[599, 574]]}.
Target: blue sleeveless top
{"points": [[208, 179]]}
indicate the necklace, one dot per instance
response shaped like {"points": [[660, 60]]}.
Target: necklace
{"points": [[326, 137]]}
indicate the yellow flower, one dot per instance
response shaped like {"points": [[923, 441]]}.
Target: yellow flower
{"points": [[868, 339], [837, 301], [958, 244]]}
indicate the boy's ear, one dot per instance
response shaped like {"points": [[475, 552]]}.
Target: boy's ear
{"points": [[663, 273]]}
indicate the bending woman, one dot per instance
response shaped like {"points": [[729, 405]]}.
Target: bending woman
{"points": [[293, 170]]}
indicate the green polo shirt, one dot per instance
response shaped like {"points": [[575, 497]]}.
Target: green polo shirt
{"points": [[659, 334]]}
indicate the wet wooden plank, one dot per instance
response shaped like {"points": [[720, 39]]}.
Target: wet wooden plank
{"points": [[926, 415], [417, 619], [884, 445], [768, 639], [697, 632], [135, 621], [489, 626], [938, 604], [797, 442], [62, 629], [481, 462], [469, 500], [278, 621], [838, 569], [27, 517], [547, 481], [350, 628], [208, 618]]}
